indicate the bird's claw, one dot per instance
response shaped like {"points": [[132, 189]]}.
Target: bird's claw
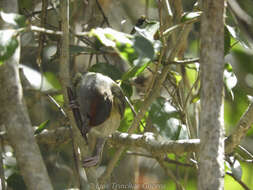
{"points": [[73, 104], [91, 161]]}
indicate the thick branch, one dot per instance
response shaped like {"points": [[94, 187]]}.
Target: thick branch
{"points": [[155, 145], [153, 94], [14, 116], [65, 82], [211, 153], [241, 130]]}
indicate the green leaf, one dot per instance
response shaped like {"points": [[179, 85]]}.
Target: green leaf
{"points": [[228, 67], [8, 44], [126, 52], [34, 78], [190, 16], [149, 30], [134, 71], [59, 99], [107, 69], [53, 80], [177, 76], [136, 50], [17, 20], [126, 121], [16, 181], [143, 47], [42, 126], [165, 119], [127, 88], [230, 79], [227, 40], [195, 99], [110, 37], [1, 63]]}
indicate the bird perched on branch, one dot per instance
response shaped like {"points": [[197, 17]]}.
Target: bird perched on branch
{"points": [[98, 110]]}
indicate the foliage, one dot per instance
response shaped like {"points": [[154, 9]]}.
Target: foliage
{"points": [[172, 114]]}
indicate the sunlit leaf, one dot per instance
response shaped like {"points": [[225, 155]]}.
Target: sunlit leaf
{"points": [[134, 71], [14, 19], [126, 121], [230, 79], [59, 99], [41, 127], [34, 78], [190, 16], [195, 99], [176, 76], [136, 50], [149, 30], [110, 37], [228, 67], [53, 80], [8, 44]]}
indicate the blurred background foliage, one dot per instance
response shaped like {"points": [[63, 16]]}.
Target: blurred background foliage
{"points": [[138, 52]]}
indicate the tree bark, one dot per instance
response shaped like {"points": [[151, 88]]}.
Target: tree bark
{"points": [[14, 116], [211, 153]]}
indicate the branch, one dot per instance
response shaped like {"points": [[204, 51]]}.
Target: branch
{"points": [[152, 143], [238, 180], [152, 95], [46, 31], [155, 145], [211, 129], [241, 130], [65, 82], [14, 116]]}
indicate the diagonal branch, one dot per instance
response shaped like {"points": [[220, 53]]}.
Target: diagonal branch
{"points": [[65, 82], [241, 129]]}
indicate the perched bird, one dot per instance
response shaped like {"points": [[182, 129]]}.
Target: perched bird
{"points": [[101, 105]]}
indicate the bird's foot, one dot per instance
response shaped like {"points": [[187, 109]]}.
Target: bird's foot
{"points": [[73, 104], [91, 161]]}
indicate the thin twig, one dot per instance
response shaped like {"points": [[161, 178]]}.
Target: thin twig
{"points": [[154, 93], [245, 151], [38, 12], [170, 161], [169, 173], [147, 8], [238, 180], [241, 129], [46, 31], [173, 28], [42, 40], [57, 105], [185, 61], [1, 160], [65, 81], [102, 12]]}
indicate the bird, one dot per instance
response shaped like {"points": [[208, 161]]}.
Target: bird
{"points": [[101, 103]]}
